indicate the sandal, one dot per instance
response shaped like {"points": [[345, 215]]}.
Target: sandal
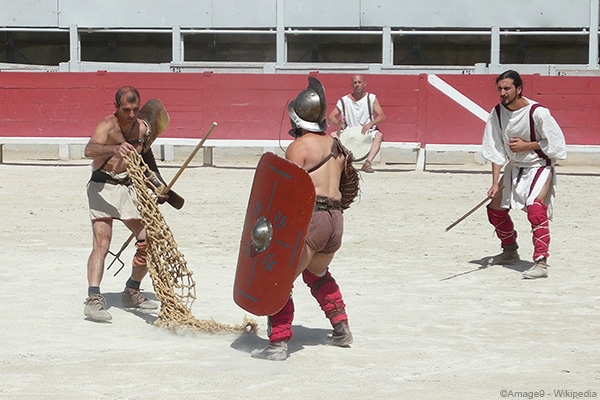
{"points": [[367, 167]]}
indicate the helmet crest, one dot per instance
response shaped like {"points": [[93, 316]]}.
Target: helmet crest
{"points": [[308, 109]]}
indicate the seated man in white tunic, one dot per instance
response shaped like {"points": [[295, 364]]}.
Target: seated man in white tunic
{"points": [[360, 109]]}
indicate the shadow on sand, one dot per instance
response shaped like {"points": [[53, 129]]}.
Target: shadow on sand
{"points": [[114, 300], [521, 266], [302, 337]]}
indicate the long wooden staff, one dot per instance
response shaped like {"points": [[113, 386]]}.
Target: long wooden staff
{"points": [[169, 187], [471, 211], [190, 157]]}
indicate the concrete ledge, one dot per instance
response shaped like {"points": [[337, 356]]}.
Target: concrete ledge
{"points": [[71, 148], [67, 147], [167, 146], [167, 151], [450, 154], [577, 155]]}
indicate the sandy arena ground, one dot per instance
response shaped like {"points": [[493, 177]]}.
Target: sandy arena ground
{"points": [[429, 320]]}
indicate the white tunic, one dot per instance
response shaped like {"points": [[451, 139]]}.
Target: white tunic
{"points": [[356, 113], [519, 174]]}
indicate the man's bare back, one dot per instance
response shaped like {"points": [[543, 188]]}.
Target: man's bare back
{"points": [[311, 149]]}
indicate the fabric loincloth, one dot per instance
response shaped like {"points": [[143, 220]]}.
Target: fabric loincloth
{"points": [[112, 196]]}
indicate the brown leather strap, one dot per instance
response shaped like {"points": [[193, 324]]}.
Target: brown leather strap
{"points": [[102, 177], [325, 204]]}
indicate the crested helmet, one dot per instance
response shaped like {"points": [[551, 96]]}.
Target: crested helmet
{"points": [[308, 109]]}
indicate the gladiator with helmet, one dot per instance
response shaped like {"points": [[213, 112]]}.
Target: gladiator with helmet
{"points": [[327, 162]]}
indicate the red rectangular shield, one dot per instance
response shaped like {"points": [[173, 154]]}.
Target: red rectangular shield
{"points": [[279, 211]]}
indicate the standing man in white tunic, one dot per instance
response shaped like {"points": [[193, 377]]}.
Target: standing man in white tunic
{"points": [[522, 136]]}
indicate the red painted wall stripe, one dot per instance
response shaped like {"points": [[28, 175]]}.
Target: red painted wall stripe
{"points": [[253, 106]]}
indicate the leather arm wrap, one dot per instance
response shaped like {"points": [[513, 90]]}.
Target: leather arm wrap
{"points": [[148, 157], [158, 182]]}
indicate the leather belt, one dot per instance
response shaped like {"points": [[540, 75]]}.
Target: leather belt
{"points": [[103, 177], [325, 204]]}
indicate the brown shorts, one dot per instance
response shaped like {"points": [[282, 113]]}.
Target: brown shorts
{"points": [[325, 231]]}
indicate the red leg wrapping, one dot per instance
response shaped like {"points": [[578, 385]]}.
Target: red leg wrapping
{"points": [[537, 214], [281, 323], [139, 258], [505, 229], [328, 294]]}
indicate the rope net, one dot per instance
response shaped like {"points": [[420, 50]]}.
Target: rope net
{"points": [[172, 280]]}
